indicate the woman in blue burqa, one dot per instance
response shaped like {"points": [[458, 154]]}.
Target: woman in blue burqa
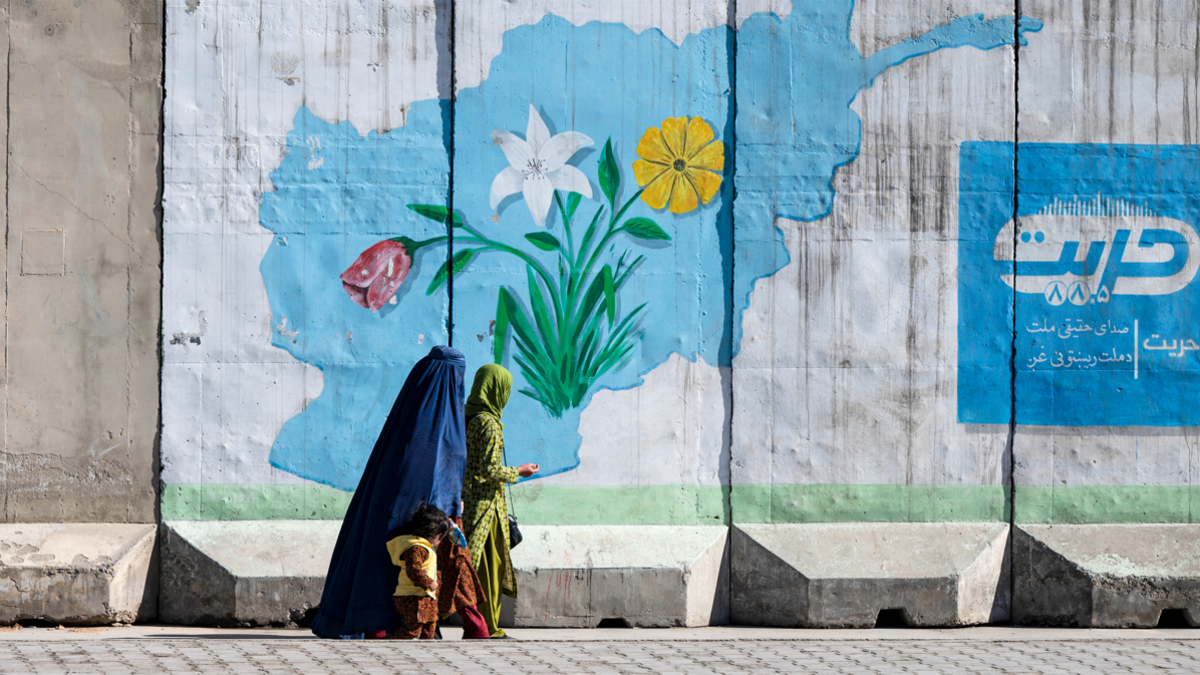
{"points": [[419, 458]]}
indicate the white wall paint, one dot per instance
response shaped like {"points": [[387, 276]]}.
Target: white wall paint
{"points": [[1120, 72], [847, 372], [1110, 73], [829, 386], [672, 430], [482, 23], [236, 74]]}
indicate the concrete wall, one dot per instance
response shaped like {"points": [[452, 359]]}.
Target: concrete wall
{"points": [[1123, 74], [923, 286], [260, 234], [845, 385], [825, 347], [799, 343], [82, 269], [276, 181], [926, 293], [255, 88]]}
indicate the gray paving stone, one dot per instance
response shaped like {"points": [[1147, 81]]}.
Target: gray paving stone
{"points": [[212, 656]]}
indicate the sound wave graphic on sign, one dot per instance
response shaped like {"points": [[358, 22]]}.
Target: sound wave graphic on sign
{"points": [[1082, 252]]}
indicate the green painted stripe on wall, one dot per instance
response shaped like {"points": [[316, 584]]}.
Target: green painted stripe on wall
{"points": [[1062, 505], [635, 505], [827, 503], [534, 504], [194, 501], [537, 504]]}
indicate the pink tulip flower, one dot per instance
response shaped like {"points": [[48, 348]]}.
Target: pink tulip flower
{"points": [[377, 274]]}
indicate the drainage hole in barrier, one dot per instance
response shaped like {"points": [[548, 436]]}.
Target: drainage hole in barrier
{"points": [[617, 622], [891, 618], [1173, 618]]}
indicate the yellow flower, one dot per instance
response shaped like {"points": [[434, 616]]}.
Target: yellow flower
{"points": [[680, 163]]}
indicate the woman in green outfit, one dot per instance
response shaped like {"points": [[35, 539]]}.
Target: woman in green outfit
{"points": [[485, 513]]}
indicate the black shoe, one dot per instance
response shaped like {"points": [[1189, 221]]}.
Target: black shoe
{"points": [[437, 632]]}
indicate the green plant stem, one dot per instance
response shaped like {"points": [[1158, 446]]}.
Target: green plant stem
{"points": [[417, 245], [563, 355], [525, 257], [627, 205], [587, 237], [566, 288], [490, 244], [612, 232], [567, 229], [570, 325]]}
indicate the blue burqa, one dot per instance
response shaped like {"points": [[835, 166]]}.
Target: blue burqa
{"points": [[419, 457]]}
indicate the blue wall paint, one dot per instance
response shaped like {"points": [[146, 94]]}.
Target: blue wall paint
{"points": [[323, 218], [605, 81], [1084, 364], [796, 80]]}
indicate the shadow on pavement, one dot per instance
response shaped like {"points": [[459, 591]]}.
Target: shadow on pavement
{"points": [[223, 636]]}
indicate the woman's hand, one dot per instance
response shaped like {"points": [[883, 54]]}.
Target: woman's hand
{"points": [[527, 470]]}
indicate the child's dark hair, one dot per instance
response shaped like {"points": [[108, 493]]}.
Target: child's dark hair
{"points": [[427, 521]]}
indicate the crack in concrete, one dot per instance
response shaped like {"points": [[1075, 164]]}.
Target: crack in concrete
{"points": [[81, 212], [451, 47], [1012, 352]]}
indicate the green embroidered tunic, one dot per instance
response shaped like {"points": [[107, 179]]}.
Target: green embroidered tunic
{"points": [[483, 493]]}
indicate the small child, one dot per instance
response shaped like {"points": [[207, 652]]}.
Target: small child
{"points": [[414, 551], [461, 590]]}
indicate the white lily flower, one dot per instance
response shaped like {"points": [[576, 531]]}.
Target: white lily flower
{"points": [[539, 166]]}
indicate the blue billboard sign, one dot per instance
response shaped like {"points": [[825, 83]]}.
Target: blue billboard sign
{"points": [[1082, 290]]}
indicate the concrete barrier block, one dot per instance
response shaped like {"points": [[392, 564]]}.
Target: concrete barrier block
{"points": [[648, 575], [841, 575], [1105, 576], [244, 573], [77, 574]]}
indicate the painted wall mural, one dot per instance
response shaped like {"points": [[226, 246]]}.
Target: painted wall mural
{"points": [[571, 287], [800, 217], [798, 78]]}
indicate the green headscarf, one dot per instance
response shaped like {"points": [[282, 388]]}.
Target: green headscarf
{"points": [[490, 392]]}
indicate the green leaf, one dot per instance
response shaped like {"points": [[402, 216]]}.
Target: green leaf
{"points": [[543, 240], [610, 296], [610, 173], [501, 335], [457, 264], [594, 292], [572, 204], [620, 281], [587, 237], [462, 258], [525, 332], [435, 212], [628, 204], [438, 280], [644, 228], [541, 314]]}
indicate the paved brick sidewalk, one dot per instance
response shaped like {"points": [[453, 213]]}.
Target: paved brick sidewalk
{"points": [[723, 657]]}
